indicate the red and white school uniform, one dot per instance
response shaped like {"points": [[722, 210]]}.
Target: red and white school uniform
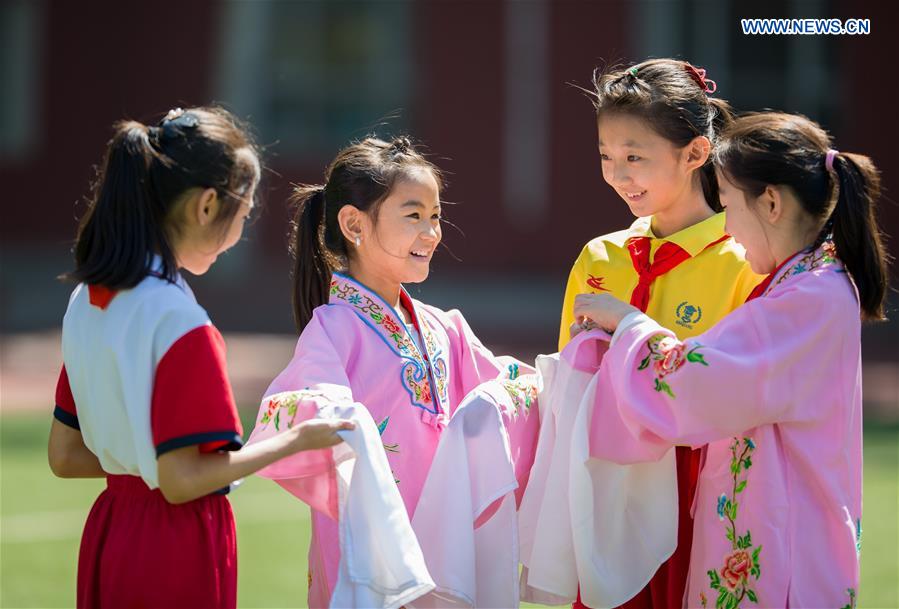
{"points": [[143, 374]]}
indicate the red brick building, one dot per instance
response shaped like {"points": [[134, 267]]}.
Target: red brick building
{"points": [[486, 85]]}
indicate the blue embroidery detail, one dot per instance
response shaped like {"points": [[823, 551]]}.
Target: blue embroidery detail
{"points": [[413, 370], [858, 535], [722, 502]]}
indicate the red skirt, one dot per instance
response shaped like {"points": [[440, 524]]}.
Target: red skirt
{"points": [[140, 551], [666, 588]]}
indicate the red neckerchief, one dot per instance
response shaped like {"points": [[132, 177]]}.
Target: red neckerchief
{"points": [[668, 256]]}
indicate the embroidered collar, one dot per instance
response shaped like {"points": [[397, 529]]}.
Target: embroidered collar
{"points": [[805, 261], [420, 372]]}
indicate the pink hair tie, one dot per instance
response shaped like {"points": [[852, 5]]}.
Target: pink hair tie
{"points": [[828, 161]]}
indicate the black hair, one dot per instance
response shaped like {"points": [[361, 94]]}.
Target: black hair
{"points": [[773, 148], [673, 97], [362, 175], [144, 174]]}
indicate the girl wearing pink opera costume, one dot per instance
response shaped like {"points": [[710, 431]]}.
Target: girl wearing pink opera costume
{"points": [[774, 388], [373, 226]]}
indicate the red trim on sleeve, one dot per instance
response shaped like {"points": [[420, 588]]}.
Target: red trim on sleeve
{"points": [[64, 398], [192, 399]]}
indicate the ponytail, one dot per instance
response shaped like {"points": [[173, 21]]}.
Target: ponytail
{"points": [[856, 235], [361, 175], [767, 148], [121, 230], [311, 270], [722, 116], [144, 175]]}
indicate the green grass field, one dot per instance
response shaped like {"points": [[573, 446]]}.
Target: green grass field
{"points": [[41, 518]]}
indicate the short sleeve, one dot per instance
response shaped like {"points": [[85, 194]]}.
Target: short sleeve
{"points": [[192, 399], [65, 411], [576, 279]]}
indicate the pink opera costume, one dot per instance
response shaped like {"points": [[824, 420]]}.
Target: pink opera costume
{"points": [[774, 390], [356, 355]]}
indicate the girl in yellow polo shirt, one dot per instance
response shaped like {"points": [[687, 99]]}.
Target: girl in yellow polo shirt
{"points": [[657, 125]]}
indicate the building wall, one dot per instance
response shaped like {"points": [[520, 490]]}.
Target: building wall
{"points": [[489, 87]]}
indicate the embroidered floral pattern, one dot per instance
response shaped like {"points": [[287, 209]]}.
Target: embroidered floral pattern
{"points": [[826, 254], [437, 361], [523, 392], [390, 448], [852, 601], [417, 382], [344, 290], [288, 401], [732, 581], [667, 355], [419, 370], [858, 536]]}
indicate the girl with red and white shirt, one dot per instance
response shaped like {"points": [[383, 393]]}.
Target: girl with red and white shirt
{"points": [[143, 398]]}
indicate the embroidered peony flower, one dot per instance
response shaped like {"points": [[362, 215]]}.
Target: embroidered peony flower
{"points": [[722, 501], [673, 359], [736, 569], [426, 392], [391, 325], [273, 405]]}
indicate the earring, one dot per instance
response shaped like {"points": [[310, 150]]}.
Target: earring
{"points": [[358, 240]]}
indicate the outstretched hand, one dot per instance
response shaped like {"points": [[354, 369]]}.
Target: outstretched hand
{"points": [[321, 433], [600, 310]]}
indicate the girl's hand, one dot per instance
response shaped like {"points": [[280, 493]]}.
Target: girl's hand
{"points": [[319, 433], [603, 310], [186, 473]]}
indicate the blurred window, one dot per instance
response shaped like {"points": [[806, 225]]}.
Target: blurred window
{"points": [[312, 75], [20, 22]]}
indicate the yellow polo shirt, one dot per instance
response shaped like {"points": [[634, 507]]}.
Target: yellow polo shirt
{"points": [[689, 299]]}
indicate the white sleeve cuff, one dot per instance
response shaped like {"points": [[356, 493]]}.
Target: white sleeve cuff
{"points": [[630, 320]]}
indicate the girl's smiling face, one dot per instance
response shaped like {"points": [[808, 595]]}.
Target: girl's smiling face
{"points": [[645, 169], [399, 244]]}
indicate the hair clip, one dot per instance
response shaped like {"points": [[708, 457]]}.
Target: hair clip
{"points": [[698, 74], [633, 71], [176, 121]]}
